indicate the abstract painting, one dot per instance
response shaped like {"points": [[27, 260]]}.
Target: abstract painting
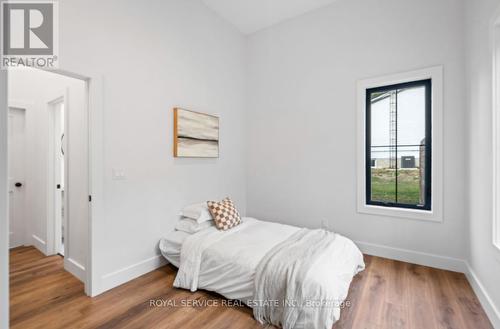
{"points": [[195, 134]]}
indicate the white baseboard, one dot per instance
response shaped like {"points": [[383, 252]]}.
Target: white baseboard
{"points": [[483, 296], [414, 257], [116, 278], [11, 243], [39, 244], [121, 276], [75, 268], [441, 262]]}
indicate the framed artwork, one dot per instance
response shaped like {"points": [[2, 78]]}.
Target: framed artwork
{"points": [[196, 135]]}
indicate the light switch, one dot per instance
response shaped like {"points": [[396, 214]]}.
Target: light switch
{"points": [[119, 174]]}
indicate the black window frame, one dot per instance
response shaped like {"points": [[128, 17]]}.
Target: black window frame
{"points": [[427, 83]]}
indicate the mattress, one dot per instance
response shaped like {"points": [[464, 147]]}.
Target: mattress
{"points": [[228, 266], [171, 245]]}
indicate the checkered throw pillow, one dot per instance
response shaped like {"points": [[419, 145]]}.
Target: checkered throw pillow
{"points": [[224, 213]]}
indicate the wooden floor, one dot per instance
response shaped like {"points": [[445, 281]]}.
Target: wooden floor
{"points": [[388, 294]]}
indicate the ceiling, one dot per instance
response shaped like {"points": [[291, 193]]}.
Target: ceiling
{"points": [[250, 16]]}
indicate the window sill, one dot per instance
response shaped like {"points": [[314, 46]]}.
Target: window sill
{"points": [[416, 214]]}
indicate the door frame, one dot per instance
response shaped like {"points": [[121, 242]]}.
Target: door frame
{"points": [[4, 208], [94, 86], [51, 176]]}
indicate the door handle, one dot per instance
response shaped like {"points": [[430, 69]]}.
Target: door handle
{"points": [[18, 184]]}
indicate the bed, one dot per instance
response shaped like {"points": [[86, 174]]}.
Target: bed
{"points": [[227, 262]]}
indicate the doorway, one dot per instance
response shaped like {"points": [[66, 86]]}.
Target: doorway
{"points": [[49, 166]]}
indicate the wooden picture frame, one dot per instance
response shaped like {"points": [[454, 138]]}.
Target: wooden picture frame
{"points": [[196, 134]]}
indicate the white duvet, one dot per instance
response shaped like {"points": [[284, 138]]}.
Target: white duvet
{"points": [[282, 276], [226, 262]]}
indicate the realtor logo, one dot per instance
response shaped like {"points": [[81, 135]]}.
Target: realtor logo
{"points": [[29, 34]]}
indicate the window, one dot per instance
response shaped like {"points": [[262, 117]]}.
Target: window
{"points": [[398, 138], [400, 145]]}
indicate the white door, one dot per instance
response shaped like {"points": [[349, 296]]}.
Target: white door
{"points": [[16, 145], [59, 152]]}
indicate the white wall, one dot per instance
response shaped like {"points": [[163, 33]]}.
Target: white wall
{"points": [[302, 116], [4, 222], [484, 259], [33, 90], [150, 58]]}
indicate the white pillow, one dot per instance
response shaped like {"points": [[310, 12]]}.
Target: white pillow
{"points": [[191, 226], [198, 211]]}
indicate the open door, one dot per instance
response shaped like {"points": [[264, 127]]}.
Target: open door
{"points": [[57, 196], [59, 176]]}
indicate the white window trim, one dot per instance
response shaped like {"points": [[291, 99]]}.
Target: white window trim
{"points": [[495, 135], [436, 213]]}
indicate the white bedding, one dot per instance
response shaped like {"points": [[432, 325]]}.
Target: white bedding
{"points": [[171, 245], [228, 261], [283, 275]]}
